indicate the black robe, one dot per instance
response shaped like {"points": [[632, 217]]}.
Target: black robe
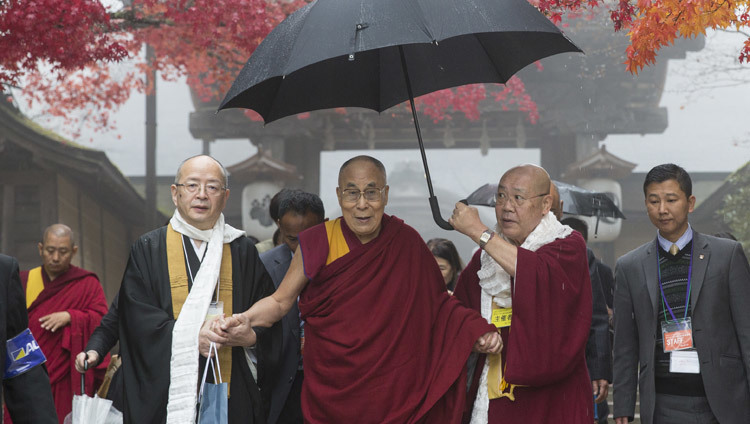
{"points": [[146, 322], [28, 396]]}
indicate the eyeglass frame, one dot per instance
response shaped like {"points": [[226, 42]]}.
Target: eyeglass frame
{"points": [[361, 194], [516, 201], [198, 188]]}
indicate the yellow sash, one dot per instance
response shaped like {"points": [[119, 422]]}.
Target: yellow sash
{"points": [[496, 384], [178, 281], [34, 285], [337, 246]]}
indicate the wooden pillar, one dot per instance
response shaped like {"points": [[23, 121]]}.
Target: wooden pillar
{"points": [[150, 217], [557, 153], [304, 153]]}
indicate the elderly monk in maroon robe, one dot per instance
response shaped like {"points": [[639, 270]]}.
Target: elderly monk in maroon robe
{"points": [[65, 304], [384, 341], [532, 281]]}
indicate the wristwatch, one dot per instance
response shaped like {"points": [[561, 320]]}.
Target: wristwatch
{"points": [[485, 237]]}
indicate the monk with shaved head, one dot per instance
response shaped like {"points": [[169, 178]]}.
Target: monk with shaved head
{"points": [[530, 278], [384, 341], [65, 304], [178, 280]]}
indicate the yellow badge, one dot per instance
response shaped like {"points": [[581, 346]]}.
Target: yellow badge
{"points": [[501, 317]]}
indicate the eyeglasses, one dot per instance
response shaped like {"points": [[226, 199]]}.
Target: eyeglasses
{"points": [[517, 200], [352, 195], [210, 188]]}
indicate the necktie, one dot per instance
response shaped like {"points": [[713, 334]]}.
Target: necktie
{"points": [[674, 250]]}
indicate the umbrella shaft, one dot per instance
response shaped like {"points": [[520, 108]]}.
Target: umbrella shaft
{"points": [[416, 121]]}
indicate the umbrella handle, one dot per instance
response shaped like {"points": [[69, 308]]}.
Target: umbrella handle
{"points": [[436, 213], [83, 374]]}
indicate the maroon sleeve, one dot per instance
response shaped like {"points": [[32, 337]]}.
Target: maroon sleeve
{"points": [[551, 312], [313, 245], [467, 285], [83, 321]]}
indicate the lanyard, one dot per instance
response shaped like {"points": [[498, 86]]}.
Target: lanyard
{"points": [[187, 261], [661, 288]]}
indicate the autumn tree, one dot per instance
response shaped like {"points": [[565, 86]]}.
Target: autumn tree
{"points": [[79, 55], [735, 211]]}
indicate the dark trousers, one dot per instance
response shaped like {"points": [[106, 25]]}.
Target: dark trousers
{"points": [[602, 412], [292, 412], [671, 409]]}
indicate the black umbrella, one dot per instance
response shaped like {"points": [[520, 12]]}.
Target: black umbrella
{"points": [[576, 201], [376, 54]]}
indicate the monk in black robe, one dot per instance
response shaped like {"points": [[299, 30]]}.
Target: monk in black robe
{"points": [[166, 271]]}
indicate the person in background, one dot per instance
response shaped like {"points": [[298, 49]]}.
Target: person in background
{"points": [[448, 261], [65, 304], [25, 382], [298, 211], [273, 211], [682, 322]]}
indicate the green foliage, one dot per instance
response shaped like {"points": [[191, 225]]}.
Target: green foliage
{"points": [[736, 209]]}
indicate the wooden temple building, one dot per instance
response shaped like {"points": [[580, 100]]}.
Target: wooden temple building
{"points": [[45, 179]]}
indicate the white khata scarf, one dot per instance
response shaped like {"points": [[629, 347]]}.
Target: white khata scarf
{"points": [[495, 283], [183, 367]]}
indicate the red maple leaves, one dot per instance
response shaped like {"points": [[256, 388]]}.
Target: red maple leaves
{"points": [[65, 35], [61, 54]]}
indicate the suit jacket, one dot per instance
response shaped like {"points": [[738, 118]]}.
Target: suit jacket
{"points": [[719, 296], [28, 396], [277, 262], [598, 350]]}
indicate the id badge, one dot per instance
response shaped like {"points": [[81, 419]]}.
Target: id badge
{"points": [[677, 335], [501, 317], [684, 361], [215, 309]]}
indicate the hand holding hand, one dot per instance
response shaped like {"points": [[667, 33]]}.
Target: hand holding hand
{"points": [[237, 330], [207, 335], [93, 359], [490, 342], [621, 420], [55, 321]]}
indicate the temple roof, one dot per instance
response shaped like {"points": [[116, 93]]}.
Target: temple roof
{"points": [[262, 166], [601, 164]]}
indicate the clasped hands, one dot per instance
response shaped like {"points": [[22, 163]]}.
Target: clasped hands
{"points": [[490, 342], [235, 330]]}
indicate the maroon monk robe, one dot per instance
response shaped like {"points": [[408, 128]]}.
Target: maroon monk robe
{"points": [[545, 346], [79, 292], [384, 342]]}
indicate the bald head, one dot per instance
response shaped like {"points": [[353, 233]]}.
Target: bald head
{"points": [[59, 231], [523, 200], [539, 180], [224, 174], [363, 159], [57, 250]]}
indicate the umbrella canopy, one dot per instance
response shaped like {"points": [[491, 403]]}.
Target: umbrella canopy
{"points": [[376, 54], [344, 53], [576, 200]]}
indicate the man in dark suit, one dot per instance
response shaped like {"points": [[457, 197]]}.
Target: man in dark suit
{"points": [[682, 324], [27, 393], [298, 211]]}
